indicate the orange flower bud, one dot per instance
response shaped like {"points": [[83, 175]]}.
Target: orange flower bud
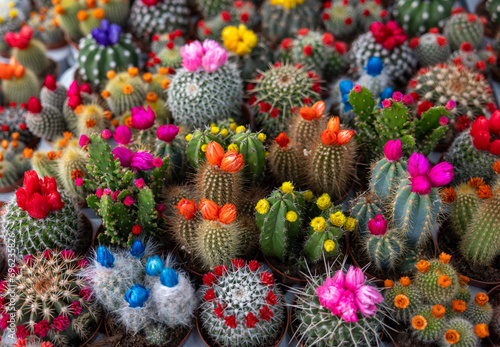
{"points": [[405, 281], [438, 311], [444, 281], [28, 152], [334, 124], [147, 77], [481, 330], [328, 137], [59, 10], [388, 283], [458, 305], [484, 192], [15, 136], [110, 74], [232, 162], [452, 336], [90, 123], [423, 266], [444, 258], [401, 301], [187, 208], [344, 136], [481, 299], [282, 140], [163, 71], [214, 153], [227, 214], [105, 94], [98, 13], [127, 89], [133, 71], [314, 112], [81, 15], [448, 195], [108, 115], [419, 322], [463, 279], [209, 209], [151, 97]]}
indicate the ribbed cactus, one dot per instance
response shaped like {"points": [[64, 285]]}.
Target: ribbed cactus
{"points": [[28, 51], [116, 11], [42, 309], [366, 207], [459, 333], [285, 160], [254, 154], [12, 123], [403, 299], [46, 27], [197, 144], [53, 93], [439, 283], [124, 91], [241, 305], [44, 121], [18, 83], [67, 11], [431, 48], [418, 17], [90, 19], [464, 27], [476, 60], [385, 250], [465, 206]]}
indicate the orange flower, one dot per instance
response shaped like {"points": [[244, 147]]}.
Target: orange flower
{"points": [[28, 152], [314, 112], [227, 214], [481, 330], [444, 281], [388, 283], [110, 74], [438, 311], [444, 258], [401, 301], [484, 192], [108, 115], [133, 71], [475, 182], [98, 13], [405, 281], [458, 306], [90, 123], [151, 97], [463, 279], [333, 125], [15, 136], [163, 71], [232, 162], [76, 174], [147, 77], [90, 3], [81, 15], [214, 153], [5, 144], [115, 123], [59, 10], [448, 195], [423, 266], [127, 89], [105, 94], [14, 143], [209, 209], [481, 299], [496, 167], [68, 135], [187, 208], [333, 134], [452, 336], [165, 83], [282, 140], [1, 156], [128, 121], [63, 143], [419, 322], [52, 155], [344, 137], [79, 109], [328, 138]]}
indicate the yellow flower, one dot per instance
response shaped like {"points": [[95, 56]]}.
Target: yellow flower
{"points": [[240, 129], [324, 202], [232, 146], [13, 13], [350, 224], [318, 224], [189, 137], [338, 219], [214, 130], [329, 245], [232, 126], [262, 137], [262, 206], [291, 216], [287, 187], [224, 132], [204, 148], [212, 125], [267, 154], [308, 195], [289, 4], [239, 40]]}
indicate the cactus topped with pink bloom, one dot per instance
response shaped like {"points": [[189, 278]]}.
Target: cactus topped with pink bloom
{"points": [[208, 56]]}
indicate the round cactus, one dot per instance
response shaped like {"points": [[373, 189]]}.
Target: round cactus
{"points": [[53, 93], [431, 48], [416, 17], [403, 299], [46, 122], [458, 332], [211, 8], [18, 83], [439, 283], [124, 91], [434, 324], [12, 121], [464, 27], [340, 18], [480, 310]]}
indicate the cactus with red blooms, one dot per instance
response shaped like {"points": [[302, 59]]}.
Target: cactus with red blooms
{"points": [[475, 150], [431, 48], [29, 52], [464, 27], [40, 217], [45, 121], [53, 302], [476, 60], [285, 160]]}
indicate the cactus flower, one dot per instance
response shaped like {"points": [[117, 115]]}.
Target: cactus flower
{"points": [[262, 206], [316, 111], [397, 96], [154, 266], [79, 182], [141, 118], [128, 201], [213, 58], [450, 105], [374, 66], [141, 161], [108, 34], [232, 162], [282, 140], [105, 134], [167, 133], [333, 135], [169, 277], [187, 208], [214, 153], [423, 178], [84, 140], [139, 183], [122, 135], [209, 209], [104, 257], [227, 214], [377, 225], [138, 249], [136, 296], [393, 150]]}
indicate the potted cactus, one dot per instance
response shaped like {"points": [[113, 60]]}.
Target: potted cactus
{"points": [[18, 83], [14, 161]]}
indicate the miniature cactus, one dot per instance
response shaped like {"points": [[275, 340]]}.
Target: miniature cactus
{"points": [[198, 141], [465, 204], [169, 144], [12, 122], [384, 247], [185, 224], [251, 148], [460, 333], [124, 91], [242, 13], [109, 45], [307, 125], [431, 48], [464, 27], [44, 121], [46, 27], [28, 51], [340, 19], [439, 283], [18, 83], [53, 93], [12, 20], [481, 61], [70, 166], [284, 160], [480, 310], [241, 305], [14, 161], [366, 207], [418, 17], [403, 299], [434, 327]]}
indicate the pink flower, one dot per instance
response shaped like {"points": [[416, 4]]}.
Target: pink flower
{"points": [[122, 135], [29, 260], [209, 45], [158, 162], [142, 119], [98, 193], [191, 55], [339, 278], [41, 328], [418, 165], [443, 121], [357, 88], [346, 307], [76, 308], [105, 134], [423, 178], [4, 321], [386, 103], [115, 194], [377, 225], [407, 100], [60, 323], [140, 183], [79, 182], [366, 298], [420, 185], [393, 150], [124, 155], [441, 174], [106, 191], [329, 294], [450, 105], [84, 140], [213, 59], [141, 161], [128, 201], [167, 133], [397, 96], [67, 254], [354, 278], [83, 263]]}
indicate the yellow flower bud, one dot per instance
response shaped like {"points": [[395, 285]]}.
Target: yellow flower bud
{"points": [[204, 148], [287, 187], [189, 137], [338, 219], [232, 126], [262, 137], [214, 130], [213, 125], [267, 154], [308, 195], [224, 132], [324, 202], [329, 245], [232, 146], [240, 129], [262, 206], [350, 224], [291, 216], [318, 224]]}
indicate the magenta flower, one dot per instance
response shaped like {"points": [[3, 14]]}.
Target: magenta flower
{"points": [[346, 307], [67, 254], [407, 100], [357, 88], [98, 193], [128, 201], [124, 155], [441, 174], [191, 55], [158, 162], [167, 133], [377, 225], [84, 140], [209, 45], [140, 183], [397, 96], [106, 191], [386, 103], [29, 260], [420, 185], [142, 119], [423, 178], [366, 299], [115, 194], [418, 165], [329, 293], [122, 135], [213, 59], [443, 121], [142, 161], [79, 182], [393, 150], [354, 278], [105, 134], [450, 105]]}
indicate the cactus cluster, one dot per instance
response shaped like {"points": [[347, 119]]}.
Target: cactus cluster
{"points": [[477, 60], [46, 27]]}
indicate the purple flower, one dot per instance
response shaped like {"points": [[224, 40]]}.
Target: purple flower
{"points": [[167, 133], [377, 225], [139, 183], [142, 119], [393, 150], [128, 201], [213, 59], [108, 34], [124, 155], [141, 161], [106, 191], [441, 174], [158, 162], [397, 96], [84, 140], [122, 135], [386, 103], [354, 278], [115, 194], [79, 182], [407, 100], [366, 299], [105, 134]]}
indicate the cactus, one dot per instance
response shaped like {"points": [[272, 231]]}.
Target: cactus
{"points": [[340, 18], [41, 309], [367, 206], [403, 299], [185, 226], [464, 27], [431, 48], [241, 305], [481, 61], [13, 162], [479, 311], [242, 13], [398, 58], [493, 8], [44, 121], [106, 44], [367, 12], [434, 328], [198, 141], [278, 91], [373, 77], [67, 11], [439, 284], [46, 27], [157, 17], [124, 91], [307, 125], [284, 160], [18, 83], [174, 147], [28, 51], [388, 172], [12, 123], [459, 333], [72, 165], [89, 19], [464, 207], [116, 11], [385, 251], [211, 8], [53, 93], [253, 151], [90, 119], [202, 96], [12, 20], [281, 20], [418, 17]]}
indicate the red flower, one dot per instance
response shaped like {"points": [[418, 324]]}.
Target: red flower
{"points": [[32, 182], [481, 123], [424, 106], [482, 140], [282, 140], [389, 35], [22, 332], [22, 197], [495, 122], [230, 321], [136, 229], [67, 254], [60, 323], [2, 301], [303, 32], [237, 263], [48, 184], [348, 21], [266, 313], [315, 88], [251, 320], [462, 123], [495, 147], [271, 298], [54, 200], [219, 310], [340, 47], [307, 50], [275, 112], [4, 321], [254, 265], [267, 278], [220, 270], [226, 16], [327, 39], [20, 40], [252, 100], [85, 294], [47, 254], [264, 107], [244, 17], [209, 295], [187, 208], [38, 206], [287, 44], [83, 263], [209, 279], [325, 16], [441, 41]]}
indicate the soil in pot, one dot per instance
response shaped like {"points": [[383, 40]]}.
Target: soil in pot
{"points": [[448, 243], [117, 336]]}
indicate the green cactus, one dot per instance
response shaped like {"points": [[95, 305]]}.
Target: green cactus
{"points": [[89, 19], [10, 174], [464, 207], [285, 162], [45, 121], [302, 131], [46, 27], [20, 88], [33, 57], [116, 11], [323, 240], [196, 156], [12, 117], [252, 149], [67, 11], [386, 176], [185, 231], [465, 331], [434, 284], [368, 12], [53, 93], [367, 206], [43, 164], [385, 251], [464, 27], [175, 150], [418, 17], [410, 292], [434, 328], [219, 186], [479, 312], [341, 19], [156, 335], [124, 91], [72, 158], [68, 112], [431, 49]]}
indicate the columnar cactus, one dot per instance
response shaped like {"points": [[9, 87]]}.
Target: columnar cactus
{"points": [[366, 207], [464, 27], [384, 247], [29, 52], [418, 17], [250, 146], [285, 160], [307, 125], [465, 203]]}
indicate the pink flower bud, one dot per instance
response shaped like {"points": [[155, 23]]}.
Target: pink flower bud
{"points": [[139, 183], [386, 103], [167, 133], [106, 191], [443, 121], [407, 100], [357, 88], [99, 193], [84, 140], [377, 226], [450, 105], [115, 194], [128, 201], [420, 185], [397, 96], [441, 174], [106, 134], [393, 150], [157, 162], [79, 182]]}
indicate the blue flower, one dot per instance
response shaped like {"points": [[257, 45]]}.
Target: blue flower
{"points": [[104, 257], [154, 266], [137, 250], [169, 277], [345, 87], [108, 34], [137, 295], [374, 66]]}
